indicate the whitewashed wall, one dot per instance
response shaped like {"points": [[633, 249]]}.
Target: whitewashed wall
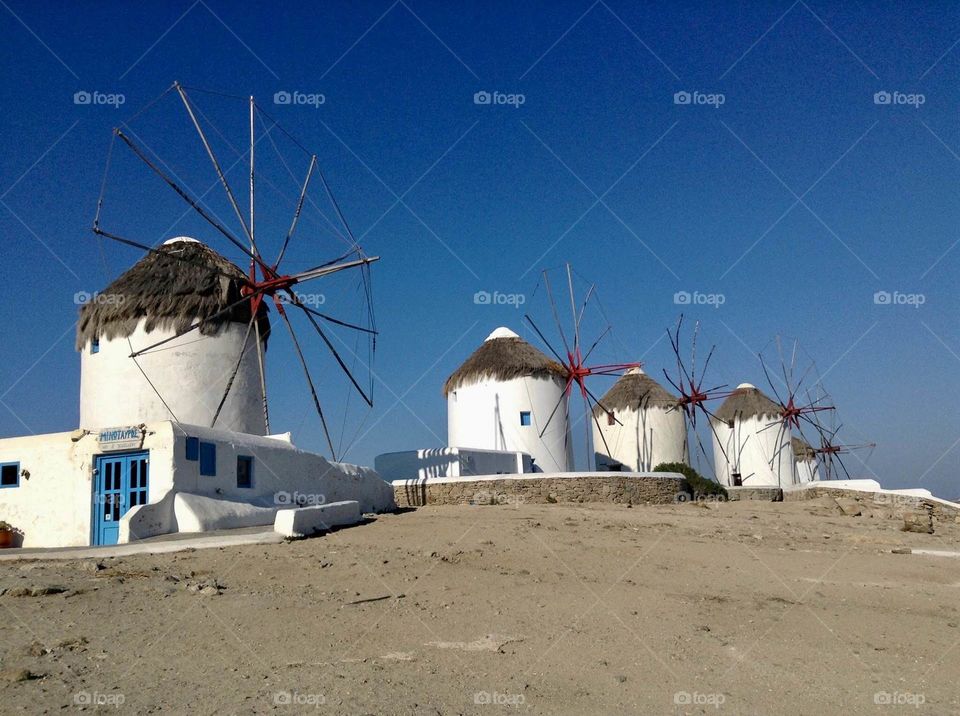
{"points": [[807, 471], [486, 415], [642, 439], [765, 456], [431, 463], [279, 468], [190, 373], [54, 506]]}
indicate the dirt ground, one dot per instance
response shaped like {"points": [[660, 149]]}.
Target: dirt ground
{"points": [[744, 608]]}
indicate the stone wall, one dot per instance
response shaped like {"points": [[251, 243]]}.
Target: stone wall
{"points": [[879, 502], [763, 494], [609, 487]]}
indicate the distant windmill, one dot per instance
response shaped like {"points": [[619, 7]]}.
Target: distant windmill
{"points": [[695, 392], [797, 409]]}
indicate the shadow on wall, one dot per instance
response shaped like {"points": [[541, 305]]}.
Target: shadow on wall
{"points": [[416, 494], [605, 463], [150, 520], [435, 462]]}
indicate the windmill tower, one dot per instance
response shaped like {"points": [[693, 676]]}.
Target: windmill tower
{"points": [[638, 425], [158, 298], [805, 456], [501, 398], [182, 335], [747, 446]]}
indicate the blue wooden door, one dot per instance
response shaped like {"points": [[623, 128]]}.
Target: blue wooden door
{"points": [[119, 484]]}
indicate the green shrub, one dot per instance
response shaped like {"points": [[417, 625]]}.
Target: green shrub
{"points": [[694, 484]]}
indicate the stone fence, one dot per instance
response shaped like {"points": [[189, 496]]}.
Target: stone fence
{"points": [[883, 502], [609, 487]]}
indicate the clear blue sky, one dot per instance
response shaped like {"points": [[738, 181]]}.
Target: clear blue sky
{"points": [[797, 199]]}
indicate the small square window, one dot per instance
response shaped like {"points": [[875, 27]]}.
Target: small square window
{"points": [[208, 459], [193, 449], [611, 418], [525, 417], [244, 471], [10, 474], [95, 345]]}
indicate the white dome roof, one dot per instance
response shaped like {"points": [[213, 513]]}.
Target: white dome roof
{"points": [[637, 370], [176, 239], [501, 332], [746, 385]]}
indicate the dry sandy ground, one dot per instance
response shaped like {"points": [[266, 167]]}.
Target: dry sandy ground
{"points": [[744, 608]]}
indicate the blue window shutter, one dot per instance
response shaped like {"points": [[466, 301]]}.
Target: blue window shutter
{"points": [[193, 449], [525, 417], [208, 459]]}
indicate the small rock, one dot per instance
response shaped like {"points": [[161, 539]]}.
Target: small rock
{"points": [[36, 649], [621, 678], [920, 522], [210, 591], [851, 508], [71, 644], [901, 550], [44, 591], [35, 591], [14, 675]]}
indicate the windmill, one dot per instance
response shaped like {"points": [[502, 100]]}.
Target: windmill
{"points": [[250, 233], [797, 408], [575, 360], [690, 386], [830, 451]]}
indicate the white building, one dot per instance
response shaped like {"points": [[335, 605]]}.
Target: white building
{"points": [[807, 469], [638, 425], [502, 398], [185, 378], [147, 459], [749, 446], [429, 463]]}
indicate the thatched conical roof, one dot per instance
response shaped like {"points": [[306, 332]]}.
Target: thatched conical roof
{"points": [[503, 356], [635, 389], [169, 294], [747, 401], [802, 450]]}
